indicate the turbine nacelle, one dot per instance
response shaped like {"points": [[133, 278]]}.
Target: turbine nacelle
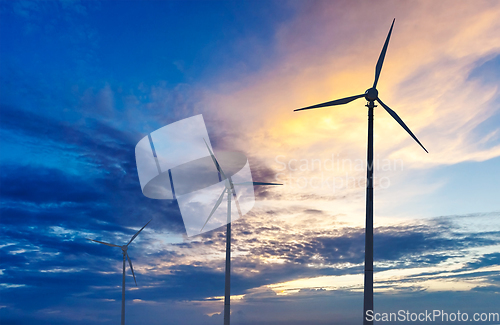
{"points": [[371, 94]]}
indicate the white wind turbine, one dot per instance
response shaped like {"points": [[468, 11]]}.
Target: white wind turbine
{"points": [[125, 256]]}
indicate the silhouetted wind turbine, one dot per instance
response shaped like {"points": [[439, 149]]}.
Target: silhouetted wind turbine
{"points": [[229, 189], [125, 256], [370, 95]]}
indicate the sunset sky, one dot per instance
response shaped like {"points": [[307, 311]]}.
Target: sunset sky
{"points": [[81, 82]]}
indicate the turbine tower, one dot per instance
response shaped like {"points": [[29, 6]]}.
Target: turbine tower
{"points": [[229, 189], [371, 95], [125, 256]]}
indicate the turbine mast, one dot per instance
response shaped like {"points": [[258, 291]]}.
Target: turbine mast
{"points": [[229, 189], [227, 289], [123, 291], [368, 285]]}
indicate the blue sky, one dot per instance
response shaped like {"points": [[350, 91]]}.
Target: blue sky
{"points": [[82, 82]]}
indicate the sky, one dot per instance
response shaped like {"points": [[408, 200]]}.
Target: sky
{"points": [[81, 82]]}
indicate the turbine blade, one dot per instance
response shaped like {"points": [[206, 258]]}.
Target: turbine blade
{"points": [[219, 200], [256, 183], [333, 102], [381, 58], [219, 168], [237, 203], [101, 242], [400, 121], [262, 183], [137, 233], [130, 263]]}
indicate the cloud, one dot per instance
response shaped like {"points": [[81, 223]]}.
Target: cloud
{"points": [[428, 70], [264, 256], [57, 187], [76, 149]]}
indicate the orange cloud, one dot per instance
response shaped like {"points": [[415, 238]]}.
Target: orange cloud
{"points": [[330, 50]]}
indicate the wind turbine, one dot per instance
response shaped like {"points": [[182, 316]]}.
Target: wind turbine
{"points": [[371, 95], [125, 256], [229, 189]]}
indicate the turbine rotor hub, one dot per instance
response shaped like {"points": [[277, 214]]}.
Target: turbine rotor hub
{"points": [[371, 94]]}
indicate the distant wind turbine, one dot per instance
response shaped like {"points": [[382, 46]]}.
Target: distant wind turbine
{"points": [[371, 95], [229, 189], [125, 256]]}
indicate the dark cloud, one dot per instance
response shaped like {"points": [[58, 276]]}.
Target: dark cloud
{"points": [[96, 192], [43, 185], [486, 260], [44, 232]]}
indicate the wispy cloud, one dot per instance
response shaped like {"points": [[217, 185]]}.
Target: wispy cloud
{"points": [[68, 169]]}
